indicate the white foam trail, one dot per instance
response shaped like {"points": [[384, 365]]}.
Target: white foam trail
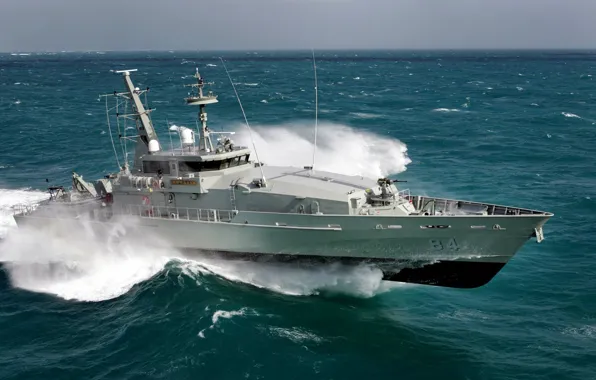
{"points": [[74, 261], [13, 197], [358, 281], [340, 148]]}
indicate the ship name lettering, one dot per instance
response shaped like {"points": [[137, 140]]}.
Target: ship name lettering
{"points": [[185, 182]]}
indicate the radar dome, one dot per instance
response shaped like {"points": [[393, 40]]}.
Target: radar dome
{"points": [[188, 136], [153, 146]]}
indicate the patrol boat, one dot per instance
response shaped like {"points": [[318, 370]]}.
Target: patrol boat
{"points": [[211, 198]]}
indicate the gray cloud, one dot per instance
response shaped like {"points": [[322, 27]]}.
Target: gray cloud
{"points": [[54, 25]]}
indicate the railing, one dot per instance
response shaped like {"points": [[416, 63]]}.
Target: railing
{"points": [[405, 194], [23, 209], [442, 206], [164, 212]]}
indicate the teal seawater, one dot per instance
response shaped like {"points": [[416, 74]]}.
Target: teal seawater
{"points": [[516, 128]]}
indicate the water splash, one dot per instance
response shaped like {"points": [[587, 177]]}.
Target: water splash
{"points": [[361, 281], [340, 148], [13, 197], [79, 261]]}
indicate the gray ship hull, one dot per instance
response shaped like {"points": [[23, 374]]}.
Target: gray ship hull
{"points": [[454, 251]]}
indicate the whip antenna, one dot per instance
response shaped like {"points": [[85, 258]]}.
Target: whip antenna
{"points": [[246, 120], [314, 65]]}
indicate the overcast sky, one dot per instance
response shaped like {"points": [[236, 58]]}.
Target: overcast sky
{"points": [[55, 25]]}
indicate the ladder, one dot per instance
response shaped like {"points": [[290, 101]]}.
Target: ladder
{"points": [[233, 196]]}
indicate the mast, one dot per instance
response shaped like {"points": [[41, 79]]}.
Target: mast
{"points": [[146, 130], [202, 100]]}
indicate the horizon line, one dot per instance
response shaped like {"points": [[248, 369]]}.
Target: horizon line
{"points": [[358, 49]]}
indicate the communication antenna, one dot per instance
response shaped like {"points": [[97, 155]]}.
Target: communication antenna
{"points": [[246, 120], [110, 132], [314, 152]]}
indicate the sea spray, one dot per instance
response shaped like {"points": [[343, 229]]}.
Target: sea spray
{"points": [[362, 281], [9, 198], [340, 148], [81, 260]]}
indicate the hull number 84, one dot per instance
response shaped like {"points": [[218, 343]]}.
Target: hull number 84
{"points": [[444, 245]]}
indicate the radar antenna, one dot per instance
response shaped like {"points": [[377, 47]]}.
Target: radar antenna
{"points": [[201, 99]]}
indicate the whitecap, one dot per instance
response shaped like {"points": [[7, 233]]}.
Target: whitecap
{"points": [[582, 332], [295, 334], [446, 110], [364, 115], [224, 314], [567, 114]]}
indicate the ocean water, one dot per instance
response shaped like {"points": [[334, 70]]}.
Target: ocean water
{"points": [[516, 128]]}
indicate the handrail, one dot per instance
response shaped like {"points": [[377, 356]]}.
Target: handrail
{"points": [[185, 213], [404, 194], [23, 208]]}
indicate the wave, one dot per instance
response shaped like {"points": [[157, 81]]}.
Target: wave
{"points": [[363, 115], [572, 115], [447, 110]]}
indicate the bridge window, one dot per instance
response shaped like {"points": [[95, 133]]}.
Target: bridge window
{"points": [[202, 166], [211, 165], [189, 166], [156, 166]]}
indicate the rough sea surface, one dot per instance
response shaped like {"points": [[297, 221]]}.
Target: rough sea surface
{"points": [[515, 128]]}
